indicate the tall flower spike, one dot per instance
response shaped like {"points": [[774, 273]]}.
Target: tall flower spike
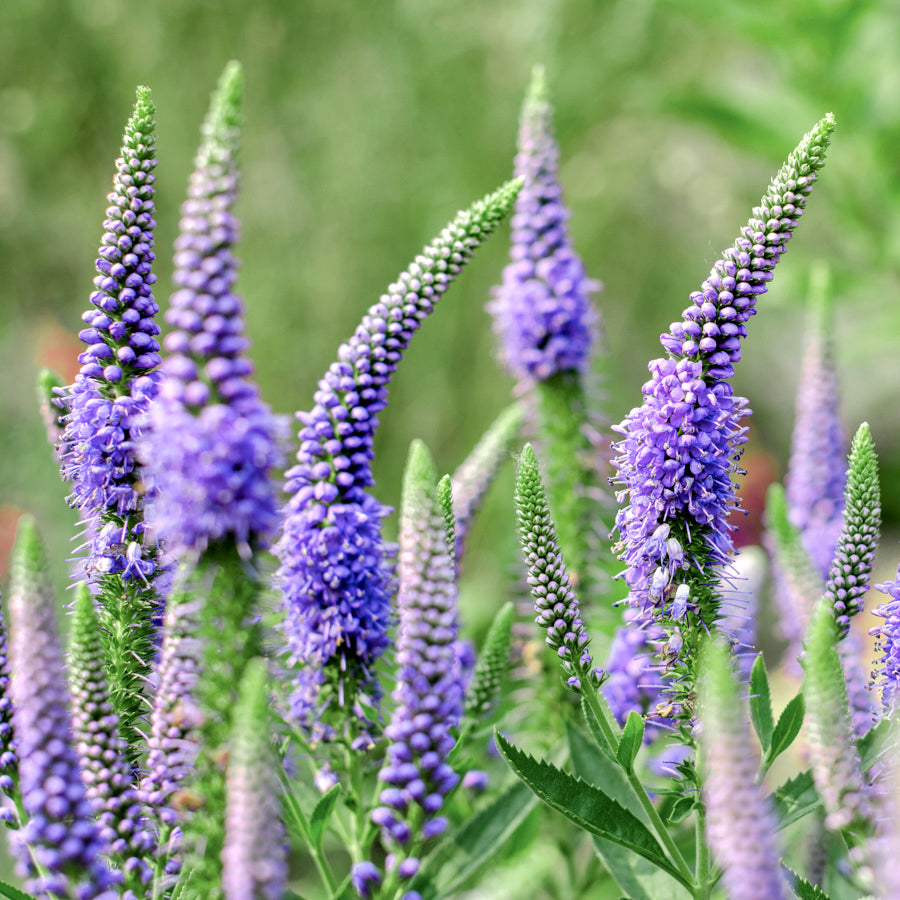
{"points": [[835, 761], [335, 568], [817, 472], [546, 324], [681, 447], [474, 476], [254, 859], [848, 580], [429, 692], [741, 824], [554, 600], [211, 441], [105, 770], [542, 311], [104, 413], [60, 848]]}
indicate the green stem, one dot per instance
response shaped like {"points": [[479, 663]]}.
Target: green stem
{"points": [[294, 811], [612, 734], [704, 885]]}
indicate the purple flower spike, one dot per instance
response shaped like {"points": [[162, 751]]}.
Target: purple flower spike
{"points": [[681, 447], [542, 311], [741, 825], [118, 377], [336, 571], [211, 441], [429, 692], [817, 472], [105, 770], [60, 848], [9, 770], [254, 858]]}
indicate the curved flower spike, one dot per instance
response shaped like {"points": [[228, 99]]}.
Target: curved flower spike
{"points": [[681, 447], [335, 569]]}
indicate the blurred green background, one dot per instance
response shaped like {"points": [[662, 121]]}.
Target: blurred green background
{"points": [[368, 124]]}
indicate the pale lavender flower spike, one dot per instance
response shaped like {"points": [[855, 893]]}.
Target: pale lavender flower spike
{"points": [[542, 311], [60, 848], [211, 441], [429, 691], [817, 472], [740, 826], [887, 670]]}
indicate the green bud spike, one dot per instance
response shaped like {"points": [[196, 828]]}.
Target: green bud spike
{"points": [[848, 580], [221, 129], [835, 761], [445, 500], [493, 661]]}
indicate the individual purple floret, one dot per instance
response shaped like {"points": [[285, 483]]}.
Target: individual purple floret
{"points": [[60, 848], [428, 693], [681, 447], [211, 441], [740, 823], [336, 570], [254, 857], [817, 472], [886, 674], [542, 310], [118, 377]]}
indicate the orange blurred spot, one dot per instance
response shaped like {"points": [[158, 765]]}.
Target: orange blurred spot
{"points": [[9, 519], [57, 348]]}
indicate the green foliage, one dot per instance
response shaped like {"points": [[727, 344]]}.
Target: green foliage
{"points": [[493, 662]]}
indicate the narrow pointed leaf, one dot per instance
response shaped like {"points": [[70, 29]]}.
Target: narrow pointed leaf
{"points": [[321, 815], [806, 891], [638, 878], [761, 705], [596, 731], [13, 893], [872, 744], [630, 743], [585, 805], [789, 724], [796, 798]]}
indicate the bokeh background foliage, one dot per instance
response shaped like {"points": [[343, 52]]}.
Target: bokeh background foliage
{"points": [[368, 124]]}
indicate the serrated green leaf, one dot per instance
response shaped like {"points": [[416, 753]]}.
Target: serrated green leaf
{"points": [[13, 893], [603, 772], [321, 815], [806, 891], [640, 879], [761, 704], [585, 805], [463, 852], [795, 799], [789, 724], [631, 741]]}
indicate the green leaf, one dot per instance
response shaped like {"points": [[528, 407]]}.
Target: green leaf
{"points": [[789, 724], [13, 893], [640, 879], [871, 744], [681, 809], [586, 806], [630, 743], [761, 704], [463, 852], [321, 815], [603, 772], [804, 890], [796, 798]]}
